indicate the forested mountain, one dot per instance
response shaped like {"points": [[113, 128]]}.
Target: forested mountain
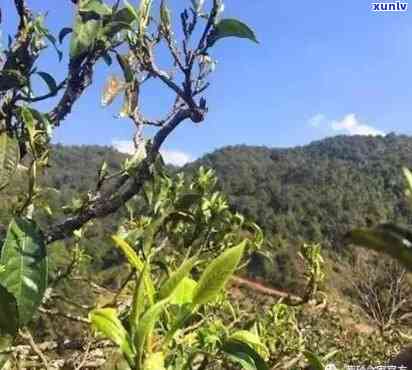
{"points": [[314, 192], [319, 191], [310, 193]]}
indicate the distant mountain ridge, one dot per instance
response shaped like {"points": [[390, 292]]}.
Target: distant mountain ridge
{"points": [[317, 191], [312, 192]]}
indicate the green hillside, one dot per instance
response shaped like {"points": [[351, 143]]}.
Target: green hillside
{"points": [[319, 191], [311, 193], [314, 193]]}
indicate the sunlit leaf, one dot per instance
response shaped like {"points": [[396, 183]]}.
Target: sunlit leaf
{"points": [[217, 273], [176, 278], [231, 28], [184, 292], [155, 361], [408, 176], [106, 321], [132, 164], [25, 260], [137, 263], [129, 252], [121, 20], [252, 340], [138, 303], [85, 33], [9, 158], [146, 325], [130, 100]]}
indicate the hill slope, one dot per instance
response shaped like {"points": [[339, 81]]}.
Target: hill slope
{"points": [[315, 192], [319, 191]]}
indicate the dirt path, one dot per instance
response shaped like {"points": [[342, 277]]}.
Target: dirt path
{"points": [[262, 289]]}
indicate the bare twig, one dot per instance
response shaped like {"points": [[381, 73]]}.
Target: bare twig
{"points": [[27, 335], [68, 316], [85, 357]]}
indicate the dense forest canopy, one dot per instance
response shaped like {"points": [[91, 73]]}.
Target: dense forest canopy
{"points": [[317, 191]]}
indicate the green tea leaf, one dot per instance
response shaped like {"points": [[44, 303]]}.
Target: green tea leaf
{"points": [[147, 324], [138, 303], [25, 260], [184, 292], [49, 80], [217, 274], [252, 340], [63, 33], [9, 158], [134, 14], [176, 278], [128, 14], [388, 238], [85, 33], [9, 316], [121, 20], [231, 28], [408, 177], [137, 263], [95, 6], [105, 320], [244, 355], [129, 252], [107, 59], [133, 163]]}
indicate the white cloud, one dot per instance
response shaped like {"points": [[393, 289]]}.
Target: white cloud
{"points": [[176, 157], [173, 157], [123, 146], [353, 126], [349, 124]]}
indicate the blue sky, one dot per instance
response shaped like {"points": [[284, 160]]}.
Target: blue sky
{"points": [[322, 68]]}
